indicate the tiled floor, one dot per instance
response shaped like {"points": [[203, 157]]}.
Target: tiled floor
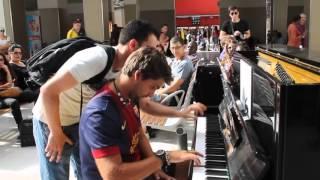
{"points": [[15, 162], [18, 163]]}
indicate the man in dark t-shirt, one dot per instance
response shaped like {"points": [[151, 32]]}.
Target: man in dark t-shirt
{"points": [[235, 26]]}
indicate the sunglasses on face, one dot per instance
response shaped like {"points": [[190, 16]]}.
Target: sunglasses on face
{"points": [[234, 13]]}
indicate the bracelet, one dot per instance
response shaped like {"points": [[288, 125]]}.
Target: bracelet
{"points": [[167, 158]]}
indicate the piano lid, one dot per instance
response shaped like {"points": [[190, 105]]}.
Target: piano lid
{"points": [[305, 55]]}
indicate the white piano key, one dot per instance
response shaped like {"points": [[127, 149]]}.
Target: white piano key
{"points": [[199, 173], [201, 137]]}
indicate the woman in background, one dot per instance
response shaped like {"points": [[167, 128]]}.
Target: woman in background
{"points": [[21, 73], [6, 83]]}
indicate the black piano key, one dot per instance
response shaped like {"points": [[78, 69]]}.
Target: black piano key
{"points": [[219, 165], [215, 145], [215, 151], [213, 136], [216, 172], [216, 178], [216, 157]]}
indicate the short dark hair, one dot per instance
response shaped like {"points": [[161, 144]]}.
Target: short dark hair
{"points": [[164, 25], [177, 39], [14, 46], [232, 8], [78, 20], [138, 30], [151, 63]]}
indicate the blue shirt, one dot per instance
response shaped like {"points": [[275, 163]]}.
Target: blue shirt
{"points": [[182, 69], [107, 127]]}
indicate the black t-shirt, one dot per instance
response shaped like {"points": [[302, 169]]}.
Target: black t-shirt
{"points": [[21, 74], [3, 77], [241, 26]]}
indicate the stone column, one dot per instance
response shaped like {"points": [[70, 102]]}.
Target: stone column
{"points": [[130, 7], [5, 19], [96, 19], [314, 26], [12, 18], [50, 21], [280, 15]]}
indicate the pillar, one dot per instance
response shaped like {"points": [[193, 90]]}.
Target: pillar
{"points": [[12, 18], [130, 10], [314, 26], [96, 19]]}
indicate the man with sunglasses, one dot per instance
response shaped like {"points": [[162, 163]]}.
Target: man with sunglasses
{"points": [[235, 26]]}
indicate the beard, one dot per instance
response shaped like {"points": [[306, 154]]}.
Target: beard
{"points": [[134, 98]]}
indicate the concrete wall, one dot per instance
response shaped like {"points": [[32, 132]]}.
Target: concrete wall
{"points": [[50, 33], [2, 16], [43, 4], [130, 12], [18, 18], [157, 12], [119, 17]]}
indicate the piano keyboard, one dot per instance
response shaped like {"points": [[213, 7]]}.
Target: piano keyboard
{"points": [[210, 142]]}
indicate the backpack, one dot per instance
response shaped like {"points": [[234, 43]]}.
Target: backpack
{"points": [[46, 62]]}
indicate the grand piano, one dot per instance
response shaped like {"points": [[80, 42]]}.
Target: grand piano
{"points": [[281, 139]]}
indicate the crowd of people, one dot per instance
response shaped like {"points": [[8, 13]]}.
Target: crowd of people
{"points": [[13, 87]]}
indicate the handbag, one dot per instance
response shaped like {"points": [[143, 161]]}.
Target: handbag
{"points": [[11, 92]]}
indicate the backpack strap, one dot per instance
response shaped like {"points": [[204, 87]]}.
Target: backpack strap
{"points": [[99, 77], [97, 82]]}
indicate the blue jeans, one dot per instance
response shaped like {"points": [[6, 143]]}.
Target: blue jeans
{"points": [[52, 170]]}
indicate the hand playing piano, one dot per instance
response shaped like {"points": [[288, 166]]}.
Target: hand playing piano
{"points": [[161, 175], [197, 108], [181, 156]]}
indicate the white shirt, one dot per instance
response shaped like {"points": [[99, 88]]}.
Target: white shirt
{"points": [[83, 65]]}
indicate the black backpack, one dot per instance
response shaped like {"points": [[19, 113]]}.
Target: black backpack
{"points": [[46, 62]]}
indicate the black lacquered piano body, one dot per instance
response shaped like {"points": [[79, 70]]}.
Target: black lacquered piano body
{"points": [[245, 162], [295, 148], [286, 116]]}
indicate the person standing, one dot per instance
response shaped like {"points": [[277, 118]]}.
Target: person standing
{"points": [[235, 26], [114, 35], [165, 39], [74, 31], [297, 31]]}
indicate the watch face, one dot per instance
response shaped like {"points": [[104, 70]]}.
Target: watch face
{"points": [[160, 152]]}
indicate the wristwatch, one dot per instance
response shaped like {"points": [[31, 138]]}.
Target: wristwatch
{"points": [[163, 155]]}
